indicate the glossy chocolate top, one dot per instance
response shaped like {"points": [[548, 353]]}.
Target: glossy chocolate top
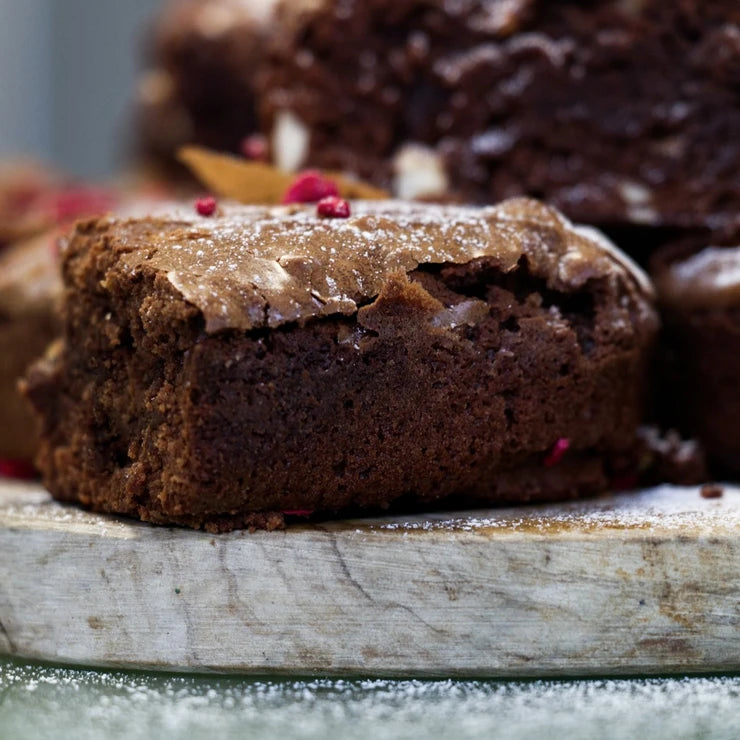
{"points": [[248, 267]]}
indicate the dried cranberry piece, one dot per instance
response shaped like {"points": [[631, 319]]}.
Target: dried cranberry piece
{"points": [[73, 203], [254, 147], [556, 453], [333, 207], [17, 469], [309, 187], [206, 206]]}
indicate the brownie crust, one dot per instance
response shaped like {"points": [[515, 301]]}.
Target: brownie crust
{"points": [[220, 372]]}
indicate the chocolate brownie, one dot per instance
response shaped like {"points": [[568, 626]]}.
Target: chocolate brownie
{"points": [[700, 300], [30, 293], [619, 112], [30, 290], [200, 85], [221, 371]]}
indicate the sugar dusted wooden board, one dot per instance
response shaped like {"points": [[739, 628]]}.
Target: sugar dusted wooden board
{"points": [[637, 583]]}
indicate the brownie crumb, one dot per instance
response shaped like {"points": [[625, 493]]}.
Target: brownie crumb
{"points": [[711, 491]]}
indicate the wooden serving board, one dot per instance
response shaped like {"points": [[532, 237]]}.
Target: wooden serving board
{"points": [[647, 582]]}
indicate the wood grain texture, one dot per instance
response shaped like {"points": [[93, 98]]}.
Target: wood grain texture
{"points": [[636, 583]]}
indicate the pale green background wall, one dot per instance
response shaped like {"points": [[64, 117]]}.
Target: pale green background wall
{"points": [[67, 71]]}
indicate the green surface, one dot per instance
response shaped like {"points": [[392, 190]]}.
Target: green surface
{"points": [[48, 702]]}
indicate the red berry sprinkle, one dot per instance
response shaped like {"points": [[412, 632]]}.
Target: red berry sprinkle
{"points": [[76, 202], [298, 512], [17, 469], [556, 453], [254, 147], [333, 207], [309, 187], [206, 206]]}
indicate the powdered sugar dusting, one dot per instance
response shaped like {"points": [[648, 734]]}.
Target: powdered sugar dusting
{"points": [[253, 266], [27, 504], [668, 510], [664, 510]]}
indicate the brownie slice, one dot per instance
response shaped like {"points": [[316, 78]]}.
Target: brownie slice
{"points": [[700, 300], [30, 296], [205, 56], [30, 290], [217, 372], [619, 113]]}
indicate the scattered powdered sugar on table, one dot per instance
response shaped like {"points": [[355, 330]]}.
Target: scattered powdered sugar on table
{"points": [[42, 702], [27, 503]]}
